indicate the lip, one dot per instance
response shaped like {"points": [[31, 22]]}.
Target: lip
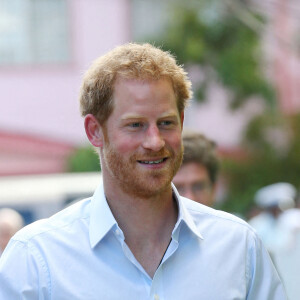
{"points": [[147, 162]]}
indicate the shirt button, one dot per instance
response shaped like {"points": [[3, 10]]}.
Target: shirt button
{"points": [[156, 297], [117, 232]]}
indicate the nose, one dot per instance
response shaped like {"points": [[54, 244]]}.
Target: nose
{"points": [[153, 139]]}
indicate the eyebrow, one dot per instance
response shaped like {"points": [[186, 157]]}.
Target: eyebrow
{"points": [[136, 116]]}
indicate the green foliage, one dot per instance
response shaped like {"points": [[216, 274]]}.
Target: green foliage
{"points": [[273, 146], [84, 159], [208, 34]]}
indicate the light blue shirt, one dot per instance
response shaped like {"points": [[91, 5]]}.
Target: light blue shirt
{"points": [[80, 254]]}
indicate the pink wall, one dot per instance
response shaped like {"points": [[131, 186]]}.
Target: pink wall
{"points": [[286, 56], [42, 100]]}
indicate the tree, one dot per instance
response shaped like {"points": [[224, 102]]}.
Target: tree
{"points": [[273, 147], [219, 38], [223, 39], [84, 159]]}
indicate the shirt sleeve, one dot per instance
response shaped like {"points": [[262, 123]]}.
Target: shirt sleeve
{"points": [[263, 279], [23, 273]]}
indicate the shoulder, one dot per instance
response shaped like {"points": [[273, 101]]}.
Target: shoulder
{"points": [[207, 217], [62, 221]]}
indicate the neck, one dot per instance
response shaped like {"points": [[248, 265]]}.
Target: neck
{"points": [[142, 217], [147, 223]]}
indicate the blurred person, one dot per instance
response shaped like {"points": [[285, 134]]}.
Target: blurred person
{"points": [[10, 222], [197, 176], [291, 215], [287, 259], [290, 221], [273, 200], [136, 237], [279, 227]]}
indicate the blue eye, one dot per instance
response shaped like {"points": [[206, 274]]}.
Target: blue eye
{"points": [[166, 123], [135, 125]]}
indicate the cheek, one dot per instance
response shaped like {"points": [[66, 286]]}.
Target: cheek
{"points": [[174, 140], [125, 144]]}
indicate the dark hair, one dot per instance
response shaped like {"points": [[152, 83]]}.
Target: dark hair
{"points": [[199, 149]]}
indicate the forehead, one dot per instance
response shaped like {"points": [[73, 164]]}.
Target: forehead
{"points": [[191, 172], [135, 85], [155, 95]]}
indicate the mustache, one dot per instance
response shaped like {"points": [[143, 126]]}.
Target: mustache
{"points": [[153, 154]]}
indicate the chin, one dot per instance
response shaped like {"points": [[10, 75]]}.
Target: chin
{"points": [[147, 189]]}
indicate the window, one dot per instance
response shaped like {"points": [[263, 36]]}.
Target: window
{"points": [[33, 32], [149, 18]]}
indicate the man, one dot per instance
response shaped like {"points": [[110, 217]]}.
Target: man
{"points": [[136, 238], [273, 200], [196, 178], [278, 226]]}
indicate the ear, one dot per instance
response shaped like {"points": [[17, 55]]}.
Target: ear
{"points": [[93, 130], [182, 119]]}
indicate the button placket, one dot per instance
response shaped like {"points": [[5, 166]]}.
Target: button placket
{"points": [[157, 285]]}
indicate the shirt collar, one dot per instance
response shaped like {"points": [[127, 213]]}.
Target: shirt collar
{"points": [[102, 219], [183, 217]]}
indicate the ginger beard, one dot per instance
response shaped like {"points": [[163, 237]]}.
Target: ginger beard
{"points": [[137, 180]]}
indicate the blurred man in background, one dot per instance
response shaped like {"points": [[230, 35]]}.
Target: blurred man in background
{"points": [[10, 222], [287, 260], [278, 225], [273, 200], [197, 176]]}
